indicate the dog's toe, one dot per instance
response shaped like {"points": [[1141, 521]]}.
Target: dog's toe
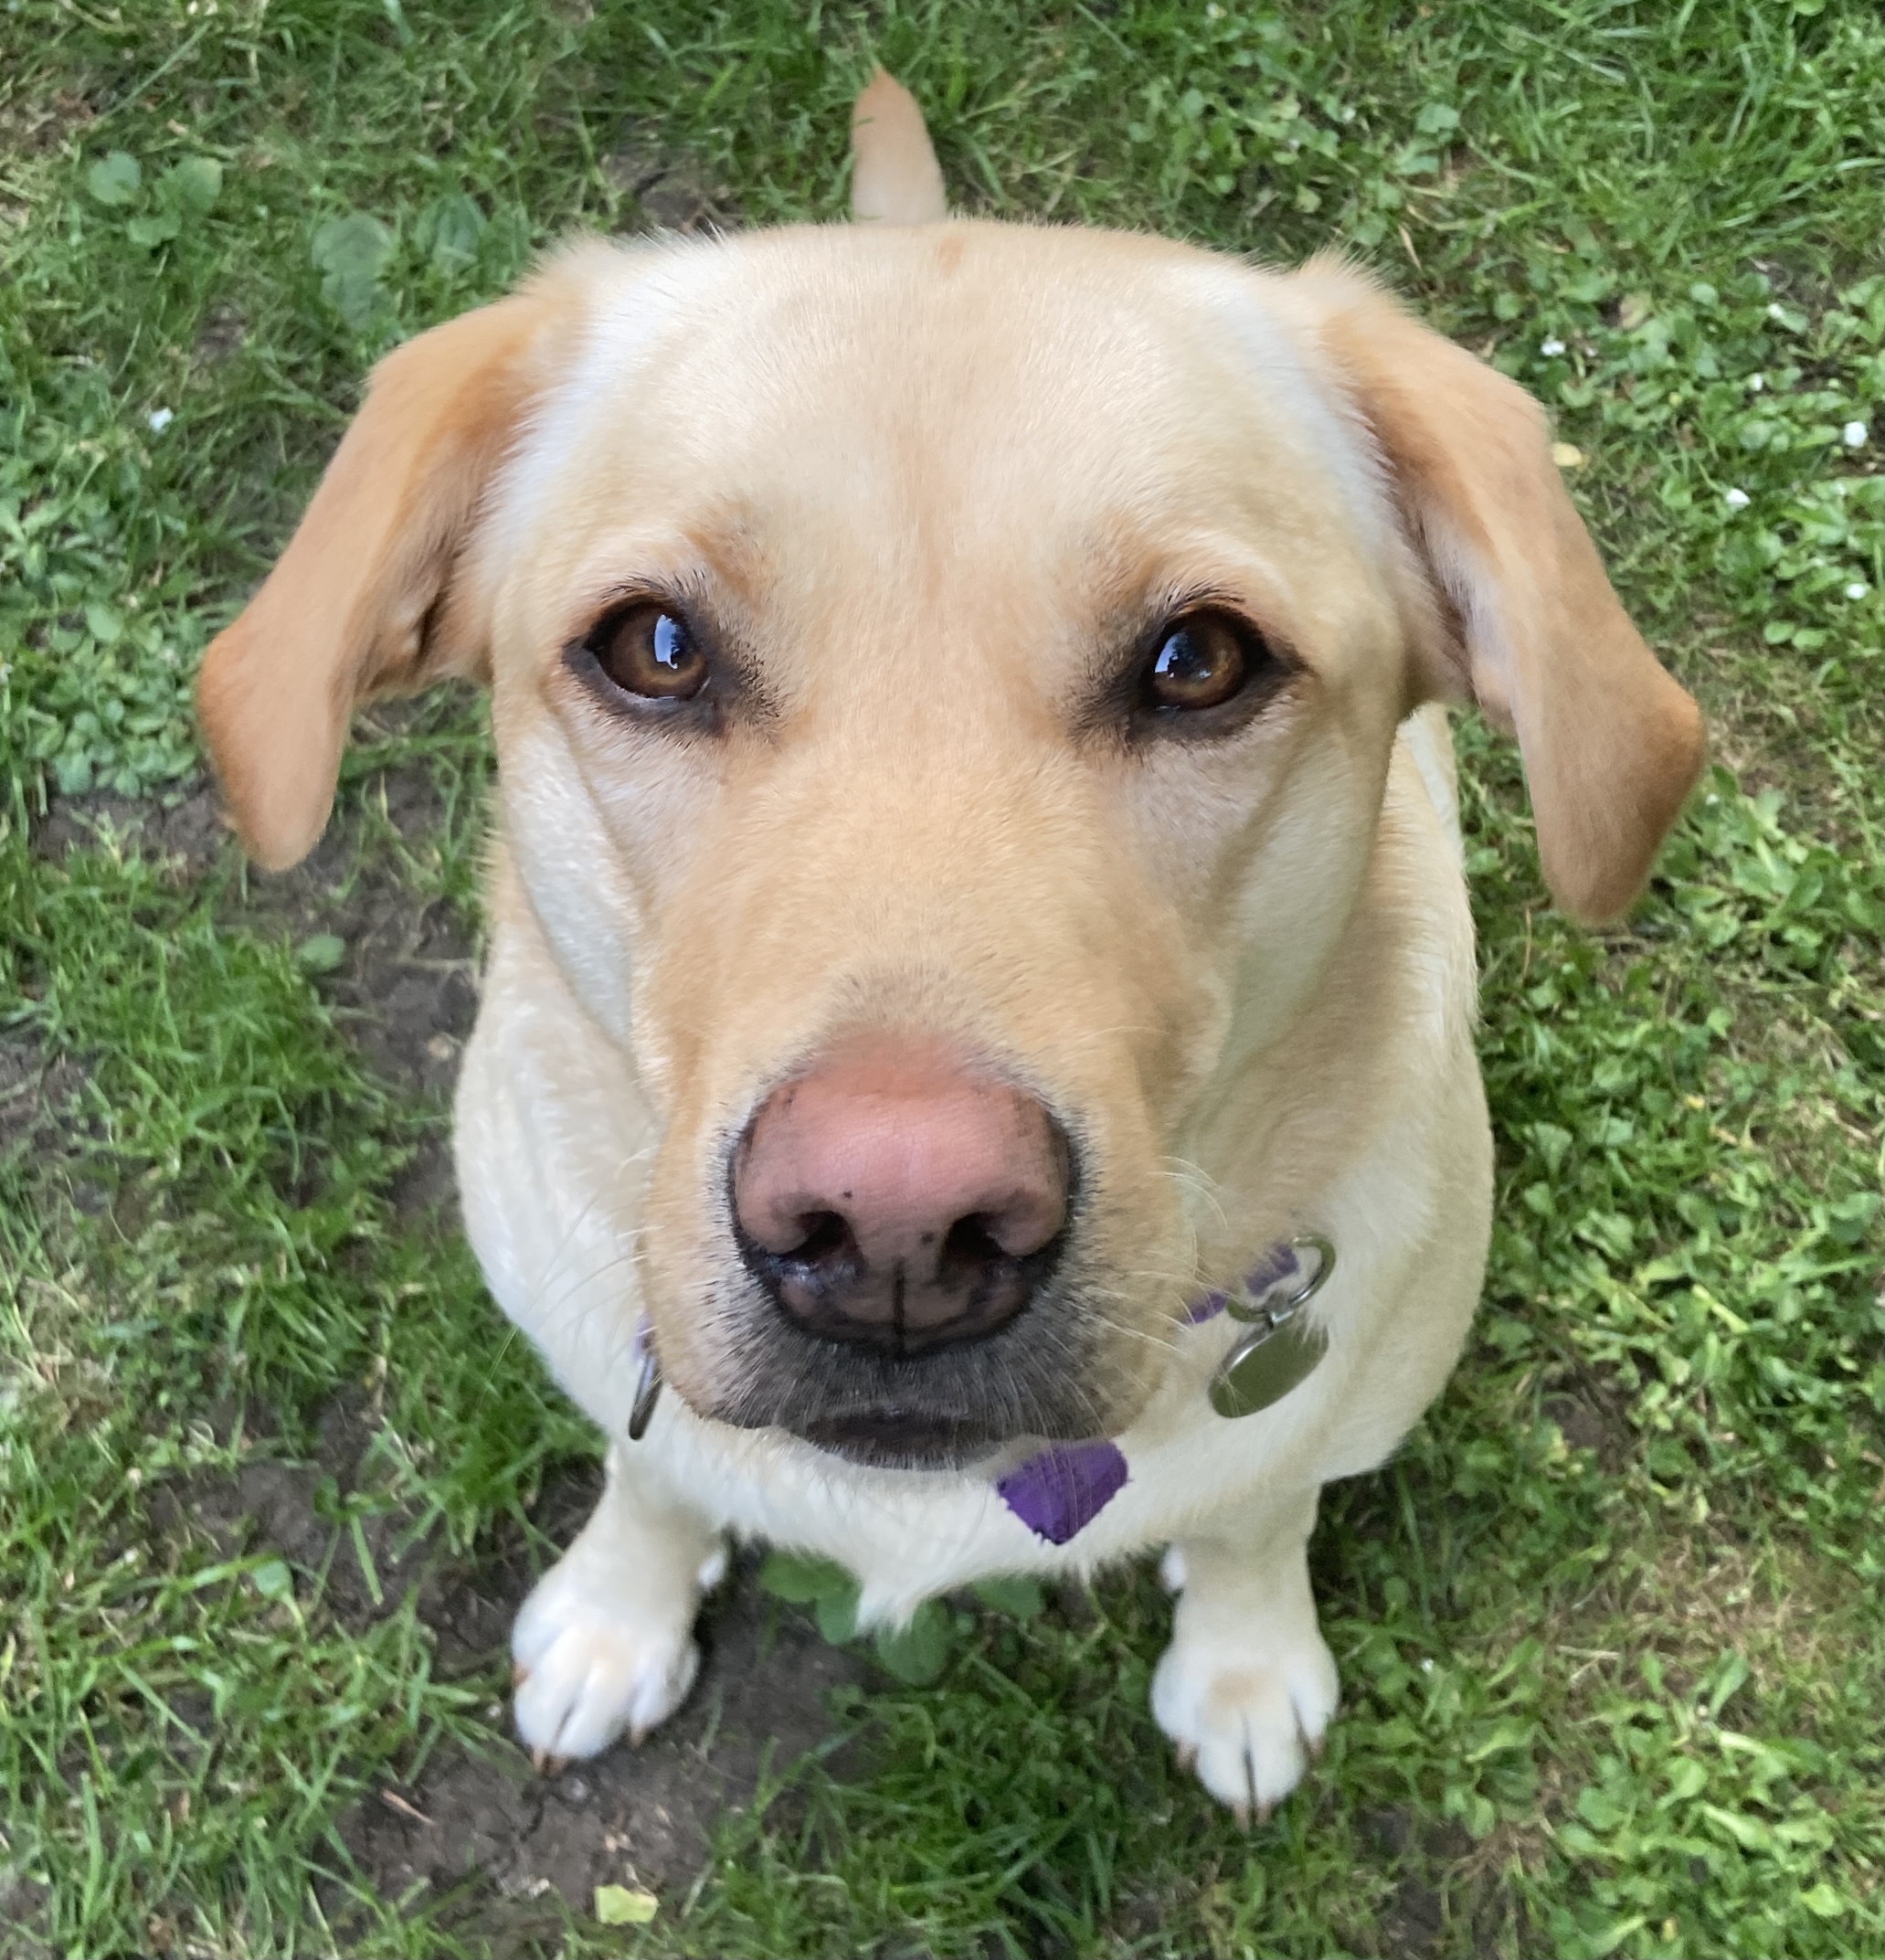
{"points": [[1245, 1722], [590, 1665]]}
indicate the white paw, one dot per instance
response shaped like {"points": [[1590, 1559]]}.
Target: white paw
{"points": [[594, 1660], [1246, 1712]]}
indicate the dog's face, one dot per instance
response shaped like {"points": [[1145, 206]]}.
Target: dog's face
{"points": [[944, 684], [912, 777]]}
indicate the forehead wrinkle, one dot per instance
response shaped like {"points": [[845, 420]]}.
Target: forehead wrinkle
{"points": [[631, 316], [1266, 350]]}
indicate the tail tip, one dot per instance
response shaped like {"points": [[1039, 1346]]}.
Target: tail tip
{"points": [[896, 178]]}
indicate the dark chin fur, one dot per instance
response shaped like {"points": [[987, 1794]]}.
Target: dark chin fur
{"points": [[1040, 1376], [902, 1440]]}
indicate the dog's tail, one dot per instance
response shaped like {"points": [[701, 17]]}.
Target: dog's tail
{"points": [[896, 179]]}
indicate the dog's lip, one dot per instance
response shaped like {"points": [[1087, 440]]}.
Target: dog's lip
{"points": [[906, 1439]]}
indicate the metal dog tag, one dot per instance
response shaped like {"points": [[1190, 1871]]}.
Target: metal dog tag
{"points": [[1279, 1351], [1265, 1366], [1287, 1276]]}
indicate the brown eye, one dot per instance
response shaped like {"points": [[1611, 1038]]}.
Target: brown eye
{"points": [[1203, 660], [648, 650]]}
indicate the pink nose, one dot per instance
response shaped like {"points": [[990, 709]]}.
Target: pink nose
{"points": [[895, 1197]]}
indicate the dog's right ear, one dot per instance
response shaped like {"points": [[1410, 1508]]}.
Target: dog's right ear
{"points": [[368, 598], [896, 178]]}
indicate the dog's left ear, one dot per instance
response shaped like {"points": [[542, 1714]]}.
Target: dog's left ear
{"points": [[369, 597], [1523, 620]]}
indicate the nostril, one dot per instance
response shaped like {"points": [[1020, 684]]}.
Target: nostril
{"points": [[969, 1251], [828, 1240]]}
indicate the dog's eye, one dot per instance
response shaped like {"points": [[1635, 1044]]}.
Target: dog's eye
{"points": [[1203, 661], [648, 650]]}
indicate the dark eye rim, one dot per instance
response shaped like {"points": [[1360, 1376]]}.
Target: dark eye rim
{"points": [[1268, 669], [582, 658]]}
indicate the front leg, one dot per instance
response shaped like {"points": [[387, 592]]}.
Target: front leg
{"points": [[605, 1642], [1247, 1686]]}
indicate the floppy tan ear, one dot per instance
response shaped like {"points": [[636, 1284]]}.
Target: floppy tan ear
{"points": [[896, 178], [1526, 622], [364, 600]]}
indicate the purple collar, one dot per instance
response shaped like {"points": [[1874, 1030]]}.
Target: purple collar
{"points": [[1060, 1491], [1065, 1488]]}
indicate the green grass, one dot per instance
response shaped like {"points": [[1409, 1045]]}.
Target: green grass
{"points": [[1608, 1626]]}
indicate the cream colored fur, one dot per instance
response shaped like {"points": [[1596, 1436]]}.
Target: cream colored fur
{"points": [[920, 474]]}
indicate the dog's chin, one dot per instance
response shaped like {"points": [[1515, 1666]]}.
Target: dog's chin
{"points": [[901, 1439]]}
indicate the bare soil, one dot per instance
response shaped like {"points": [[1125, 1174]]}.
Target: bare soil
{"points": [[407, 984], [631, 1816], [670, 188], [35, 1091]]}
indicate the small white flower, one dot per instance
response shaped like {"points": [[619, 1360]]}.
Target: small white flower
{"points": [[1856, 589], [160, 420], [1774, 310], [1426, 1667], [1854, 435], [1550, 347], [1737, 500], [1756, 383]]}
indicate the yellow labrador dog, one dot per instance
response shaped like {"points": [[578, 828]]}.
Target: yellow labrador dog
{"points": [[975, 1073]]}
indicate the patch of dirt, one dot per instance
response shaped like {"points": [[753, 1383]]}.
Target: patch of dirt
{"points": [[407, 982], [295, 1509], [670, 186], [1413, 1924], [188, 829], [631, 1816], [35, 1091], [225, 327], [34, 128], [1591, 1415]]}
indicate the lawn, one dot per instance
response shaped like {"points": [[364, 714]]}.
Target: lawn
{"points": [[273, 1474]]}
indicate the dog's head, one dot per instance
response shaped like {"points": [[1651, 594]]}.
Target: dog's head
{"points": [[944, 678]]}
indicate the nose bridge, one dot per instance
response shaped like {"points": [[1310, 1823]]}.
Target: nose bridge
{"points": [[974, 793], [927, 860]]}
